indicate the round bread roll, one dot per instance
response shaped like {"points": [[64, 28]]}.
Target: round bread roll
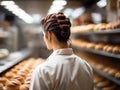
{"points": [[117, 75], [107, 69], [109, 26], [3, 80], [29, 75], [1, 86], [19, 78], [28, 78], [22, 74], [14, 71], [99, 46], [103, 83], [106, 47], [109, 49], [90, 27], [17, 67], [116, 50], [91, 45], [83, 44], [27, 82], [14, 84], [101, 26], [9, 75], [112, 72], [100, 66], [24, 87]]}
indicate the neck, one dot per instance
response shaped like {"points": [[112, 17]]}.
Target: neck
{"points": [[60, 46]]}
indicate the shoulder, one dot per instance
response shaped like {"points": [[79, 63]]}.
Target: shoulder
{"points": [[83, 63], [43, 69]]}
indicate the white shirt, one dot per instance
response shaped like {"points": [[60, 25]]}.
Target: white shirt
{"points": [[63, 71]]}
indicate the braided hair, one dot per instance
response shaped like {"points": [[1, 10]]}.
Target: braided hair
{"points": [[59, 24]]}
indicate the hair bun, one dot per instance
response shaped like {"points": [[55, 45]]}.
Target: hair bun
{"points": [[59, 24]]}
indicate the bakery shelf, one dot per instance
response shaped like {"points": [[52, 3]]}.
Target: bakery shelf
{"points": [[113, 79], [117, 56], [13, 59], [116, 31]]}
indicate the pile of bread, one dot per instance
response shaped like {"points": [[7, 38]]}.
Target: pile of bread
{"points": [[97, 46], [97, 27], [107, 65], [18, 77], [104, 83], [109, 68]]}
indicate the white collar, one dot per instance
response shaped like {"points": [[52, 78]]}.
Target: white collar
{"points": [[64, 51]]}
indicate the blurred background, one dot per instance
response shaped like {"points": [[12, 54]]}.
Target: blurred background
{"points": [[95, 23]]}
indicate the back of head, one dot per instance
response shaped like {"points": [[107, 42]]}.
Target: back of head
{"points": [[59, 24]]}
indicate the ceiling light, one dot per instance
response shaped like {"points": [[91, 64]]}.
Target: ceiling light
{"points": [[15, 9], [11, 7], [57, 6], [59, 2], [5, 3], [102, 3]]}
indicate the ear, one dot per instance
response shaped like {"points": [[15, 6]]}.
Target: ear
{"points": [[49, 35]]}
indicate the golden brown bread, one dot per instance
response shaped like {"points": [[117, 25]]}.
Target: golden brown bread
{"points": [[105, 48], [12, 84], [109, 26], [1, 86], [19, 78], [109, 49], [90, 45], [101, 26], [107, 69], [117, 75], [103, 83], [99, 46], [90, 27], [100, 66], [24, 87], [112, 71], [116, 50], [9, 75], [3, 80]]}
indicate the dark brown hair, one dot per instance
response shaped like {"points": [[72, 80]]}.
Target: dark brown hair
{"points": [[59, 24]]}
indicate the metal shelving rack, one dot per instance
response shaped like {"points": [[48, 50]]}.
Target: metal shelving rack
{"points": [[117, 56], [98, 32], [13, 59], [111, 35], [111, 78]]}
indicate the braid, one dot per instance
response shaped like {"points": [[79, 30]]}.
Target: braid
{"points": [[58, 24]]}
